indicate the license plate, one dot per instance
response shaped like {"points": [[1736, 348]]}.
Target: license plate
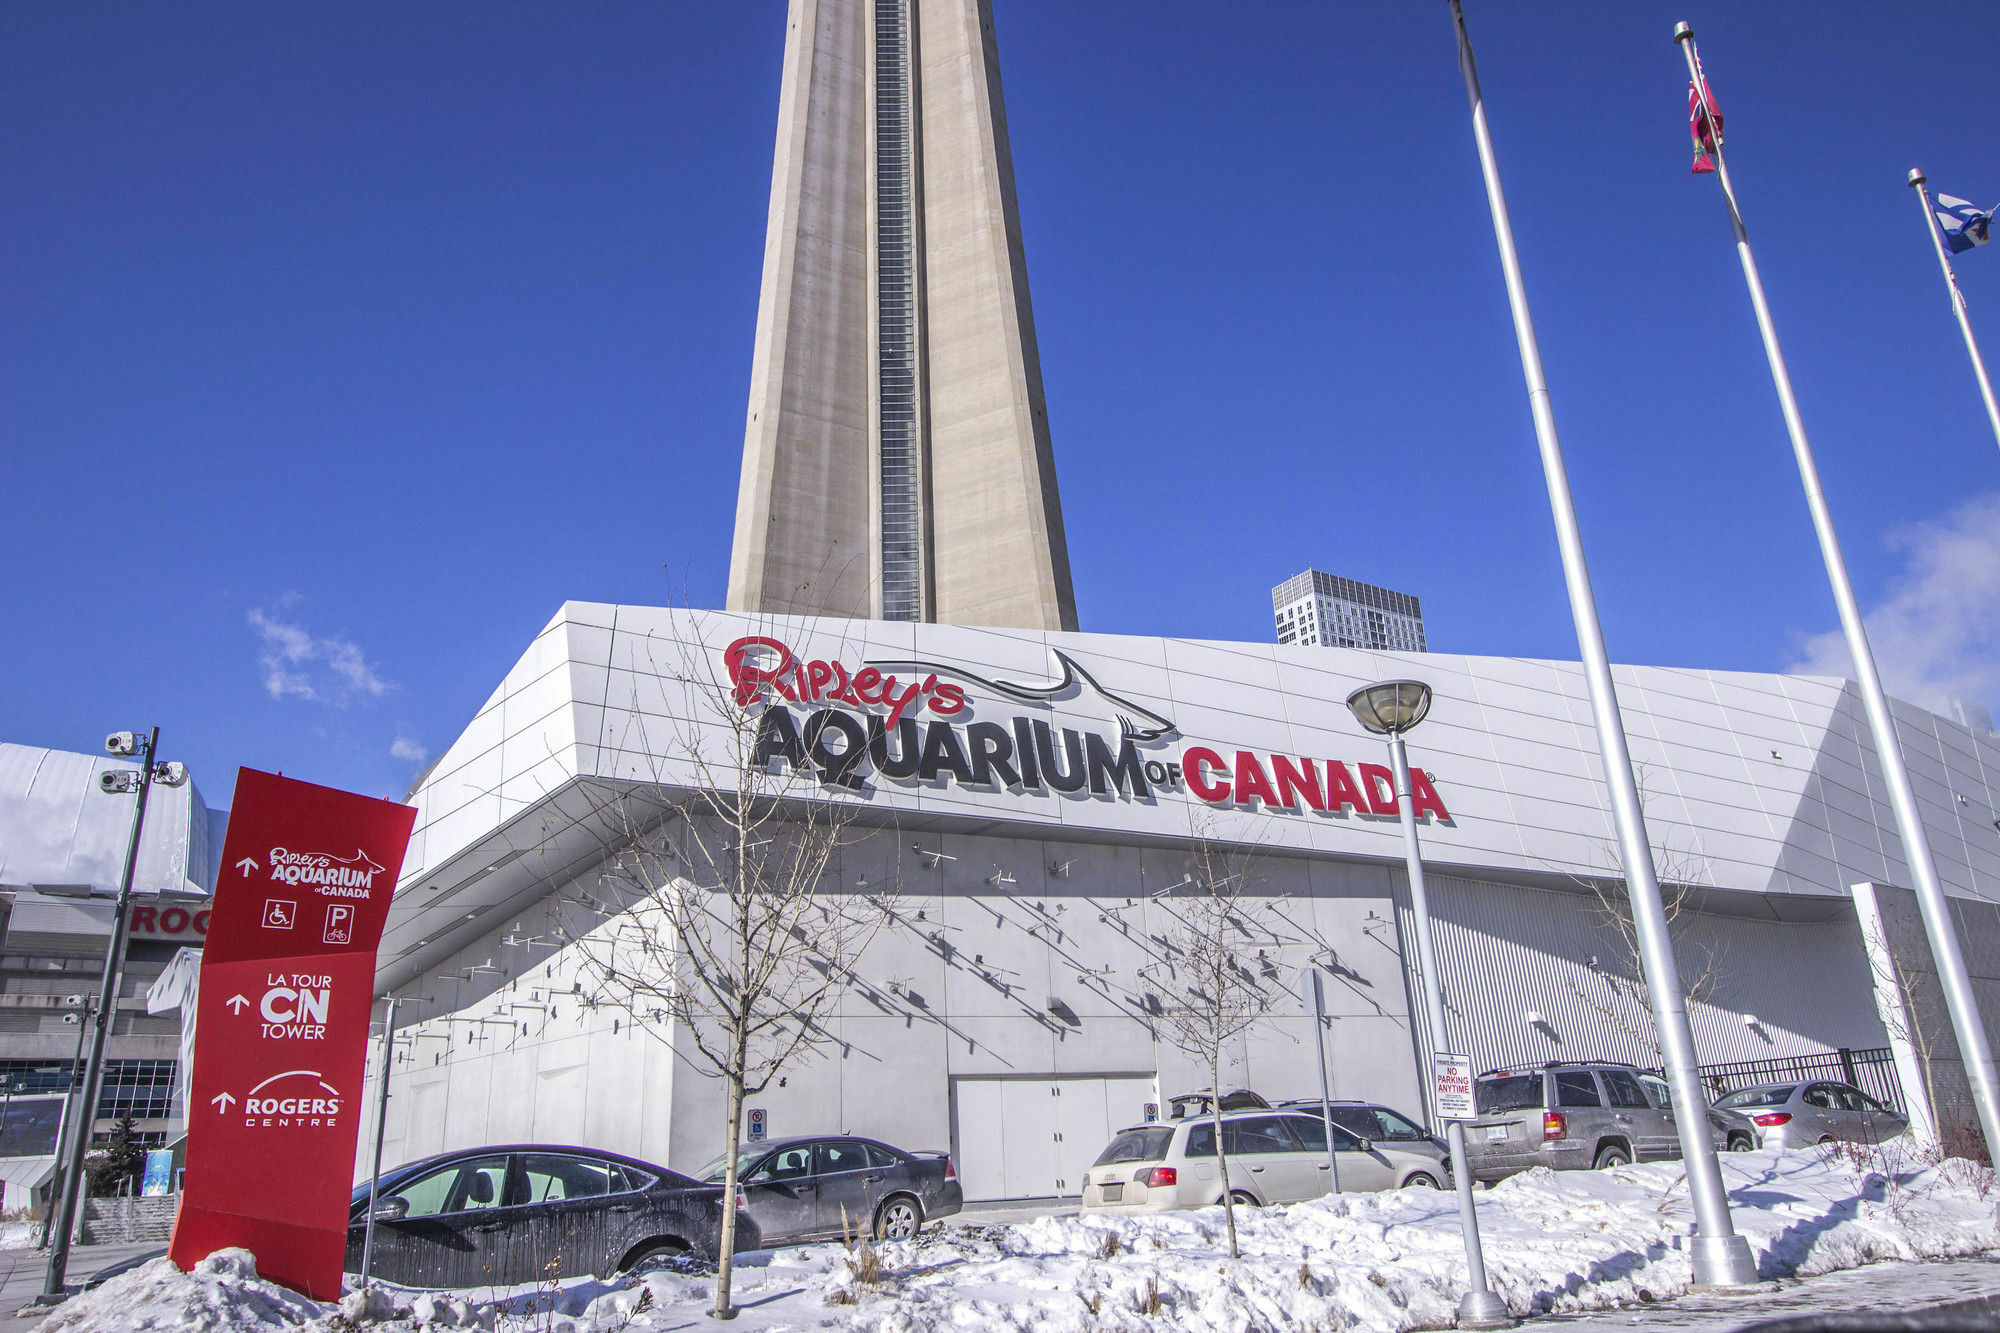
{"points": [[1112, 1193], [1494, 1133]]}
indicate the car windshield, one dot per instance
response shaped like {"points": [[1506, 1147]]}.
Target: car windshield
{"points": [[1136, 1145], [1758, 1097], [744, 1161], [1521, 1092]]}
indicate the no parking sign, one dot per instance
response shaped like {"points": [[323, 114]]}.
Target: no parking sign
{"points": [[756, 1124]]}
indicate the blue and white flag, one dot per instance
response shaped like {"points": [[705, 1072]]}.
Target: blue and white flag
{"points": [[1963, 225]]}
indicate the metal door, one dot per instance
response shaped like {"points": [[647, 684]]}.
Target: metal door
{"points": [[435, 1243], [1652, 1129], [848, 1187], [1082, 1128], [1312, 1173], [572, 1224], [1267, 1158], [782, 1197], [1028, 1138], [1023, 1138]]}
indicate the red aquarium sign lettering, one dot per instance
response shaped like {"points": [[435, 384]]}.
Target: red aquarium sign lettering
{"points": [[914, 727]]}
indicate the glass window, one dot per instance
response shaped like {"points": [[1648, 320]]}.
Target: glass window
{"points": [[1311, 1133], [1863, 1102], [1522, 1092], [455, 1188], [1396, 1129], [1662, 1095], [1136, 1145], [1623, 1089], [1356, 1120], [837, 1155], [1259, 1134], [1577, 1087], [627, 1180], [880, 1157], [1201, 1140], [1758, 1097], [546, 1178], [1821, 1096], [784, 1164]]}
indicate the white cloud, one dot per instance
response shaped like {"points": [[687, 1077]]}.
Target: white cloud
{"points": [[409, 751], [298, 665], [1937, 635]]}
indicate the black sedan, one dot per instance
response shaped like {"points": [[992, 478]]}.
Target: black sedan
{"points": [[513, 1214], [809, 1188]]}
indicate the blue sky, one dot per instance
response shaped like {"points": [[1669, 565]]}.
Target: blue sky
{"points": [[340, 344]]}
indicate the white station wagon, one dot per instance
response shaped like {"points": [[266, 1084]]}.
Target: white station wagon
{"points": [[1274, 1157]]}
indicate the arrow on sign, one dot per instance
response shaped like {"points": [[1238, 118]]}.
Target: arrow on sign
{"points": [[246, 865], [236, 1003], [222, 1101]]}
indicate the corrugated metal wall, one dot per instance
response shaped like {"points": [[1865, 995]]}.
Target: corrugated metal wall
{"points": [[1506, 952]]}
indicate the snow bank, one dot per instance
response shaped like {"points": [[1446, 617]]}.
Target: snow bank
{"points": [[222, 1293], [1374, 1263]]}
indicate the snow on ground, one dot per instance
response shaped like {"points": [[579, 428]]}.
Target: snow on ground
{"points": [[19, 1235], [1373, 1263]]}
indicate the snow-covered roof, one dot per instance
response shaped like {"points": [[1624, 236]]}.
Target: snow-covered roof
{"points": [[58, 828]]}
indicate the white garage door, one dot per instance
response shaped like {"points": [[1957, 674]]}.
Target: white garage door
{"points": [[1032, 1138]]}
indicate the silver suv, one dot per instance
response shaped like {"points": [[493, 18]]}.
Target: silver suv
{"points": [[1275, 1156], [1569, 1116]]}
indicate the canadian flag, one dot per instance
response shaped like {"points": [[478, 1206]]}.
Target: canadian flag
{"points": [[1705, 135]]}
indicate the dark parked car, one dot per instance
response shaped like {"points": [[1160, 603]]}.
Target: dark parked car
{"points": [[501, 1216], [807, 1188]]}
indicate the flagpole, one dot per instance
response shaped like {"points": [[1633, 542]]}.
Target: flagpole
{"points": [[1721, 1258], [1958, 994], [1957, 301]]}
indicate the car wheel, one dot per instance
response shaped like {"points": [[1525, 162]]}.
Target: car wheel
{"points": [[653, 1256], [1243, 1199], [898, 1219], [1610, 1157], [1740, 1143], [1421, 1181]]}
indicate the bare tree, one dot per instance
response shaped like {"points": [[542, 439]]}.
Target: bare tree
{"points": [[1685, 873], [1217, 969], [715, 919]]}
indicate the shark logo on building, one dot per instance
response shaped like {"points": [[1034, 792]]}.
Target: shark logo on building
{"points": [[1135, 722]]}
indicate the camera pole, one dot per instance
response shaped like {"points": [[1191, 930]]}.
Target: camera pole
{"points": [[93, 1070]]}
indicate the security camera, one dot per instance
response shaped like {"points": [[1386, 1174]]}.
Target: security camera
{"points": [[116, 781], [170, 774], [72, 1018], [124, 744]]}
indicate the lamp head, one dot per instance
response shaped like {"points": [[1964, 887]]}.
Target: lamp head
{"points": [[1390, 707]]}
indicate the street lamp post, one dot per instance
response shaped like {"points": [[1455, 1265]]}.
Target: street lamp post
{"points": [[1390, 709], [114, 782]]}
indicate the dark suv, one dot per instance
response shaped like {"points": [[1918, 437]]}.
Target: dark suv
{"points": [[1566, 1116]]}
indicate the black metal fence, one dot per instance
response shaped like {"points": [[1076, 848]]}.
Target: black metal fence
{"points": [[1873, 1071]]}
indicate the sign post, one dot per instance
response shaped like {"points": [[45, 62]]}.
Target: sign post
{"points": [[1452, 1088], [287, 984], [1315, 998]]}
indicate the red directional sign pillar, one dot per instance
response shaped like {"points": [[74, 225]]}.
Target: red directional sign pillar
{"points": [[287, 982]]}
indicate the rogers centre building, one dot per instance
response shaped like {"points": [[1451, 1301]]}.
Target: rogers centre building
{"points": [[1032, 796]]}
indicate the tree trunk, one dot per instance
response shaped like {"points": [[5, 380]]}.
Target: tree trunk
{"points": [[726, 1254], [1221, 1157]]}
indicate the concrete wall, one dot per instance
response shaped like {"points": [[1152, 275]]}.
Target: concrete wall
{"points": [[806, 540]]}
